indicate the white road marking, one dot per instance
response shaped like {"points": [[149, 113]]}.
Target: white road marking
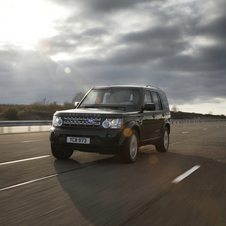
{"points": [[23, 160], [28, 141], [186, 132], [187, 173], [27, 182]]}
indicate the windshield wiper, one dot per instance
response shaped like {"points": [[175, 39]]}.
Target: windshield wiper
{"points": [[123, 108], [113, 106], [89, 106], [104, 106]]}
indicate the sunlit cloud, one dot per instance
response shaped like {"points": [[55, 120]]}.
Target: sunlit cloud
{"points": [[174, 44], [24, 22]]}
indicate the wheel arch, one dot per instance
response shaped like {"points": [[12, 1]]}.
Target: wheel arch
{"points": [[167, 125], [137, 129], [133, 125]]}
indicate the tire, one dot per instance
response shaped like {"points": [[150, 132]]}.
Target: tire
{"points": [[129, 153], [163, 145], [61, 154]]}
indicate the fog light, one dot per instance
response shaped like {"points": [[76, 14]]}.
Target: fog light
{"points": [[109, 136]]}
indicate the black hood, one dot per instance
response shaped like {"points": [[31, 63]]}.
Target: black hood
{"points": [[95, 112]]}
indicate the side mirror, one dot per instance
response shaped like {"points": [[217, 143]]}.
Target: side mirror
{"points": [[76, 104], [149, 107]]}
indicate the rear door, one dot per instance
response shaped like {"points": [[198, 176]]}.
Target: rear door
{"points": [[158, 114]]}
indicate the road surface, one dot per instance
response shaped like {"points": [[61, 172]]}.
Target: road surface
{"points": [[185, 186]]}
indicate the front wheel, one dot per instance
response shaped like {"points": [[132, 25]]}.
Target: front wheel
{"points": [[163, 145], [61, 154], [129, 153]]}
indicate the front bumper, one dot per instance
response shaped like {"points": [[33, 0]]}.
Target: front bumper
{"points": [[103, 141]]}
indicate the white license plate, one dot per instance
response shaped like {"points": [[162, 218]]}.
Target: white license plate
{"points": [[78, 140]]}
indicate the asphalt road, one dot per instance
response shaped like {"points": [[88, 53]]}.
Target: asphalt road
{"points": [[185, 186]]}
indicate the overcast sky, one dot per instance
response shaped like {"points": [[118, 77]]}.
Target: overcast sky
{"points": [[53, 49]]}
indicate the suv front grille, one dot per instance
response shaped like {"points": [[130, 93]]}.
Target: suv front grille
{"points": [[82, 121]]}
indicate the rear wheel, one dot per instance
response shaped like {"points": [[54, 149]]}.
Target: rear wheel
{"points": [[61, 154], [163, 145], [129, 153]]}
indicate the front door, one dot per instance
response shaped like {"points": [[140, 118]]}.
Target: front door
{"points": [[148, 124]]}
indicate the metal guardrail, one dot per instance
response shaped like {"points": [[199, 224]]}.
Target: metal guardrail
{"points": [[49, 122], [7, 127], [175, 121], [25, 123]]}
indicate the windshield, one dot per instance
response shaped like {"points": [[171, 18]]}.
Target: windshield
{"points": [[127, 98]]}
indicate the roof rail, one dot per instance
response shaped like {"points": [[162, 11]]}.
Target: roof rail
{"points": [[153, 86]]}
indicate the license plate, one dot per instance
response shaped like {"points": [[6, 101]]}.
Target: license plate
{"points": [[78, 140]]}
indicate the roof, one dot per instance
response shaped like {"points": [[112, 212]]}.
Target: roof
{"points": [[129, 86]]}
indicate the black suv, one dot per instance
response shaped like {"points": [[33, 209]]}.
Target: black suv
{"points": [[113, 120]]}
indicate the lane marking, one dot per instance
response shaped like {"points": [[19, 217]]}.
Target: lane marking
{"points": [[186, 132], [187, 173], [27, 182], [28, 141], [23, 160]]}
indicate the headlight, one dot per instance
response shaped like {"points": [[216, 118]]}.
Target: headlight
{"points": [[112, 123], [57, 121]]}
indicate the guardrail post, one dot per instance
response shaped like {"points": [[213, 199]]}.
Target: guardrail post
{"points": [[29, 128]]}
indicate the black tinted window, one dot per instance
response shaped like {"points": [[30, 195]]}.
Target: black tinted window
{"points": [[164, 101], [147, 97], [157, 101]]}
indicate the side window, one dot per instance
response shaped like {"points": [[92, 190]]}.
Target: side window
{"points": [[165, 101], [147, 97], [157, 101]]}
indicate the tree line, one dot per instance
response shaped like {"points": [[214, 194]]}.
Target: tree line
{"points": [[40, 110]]}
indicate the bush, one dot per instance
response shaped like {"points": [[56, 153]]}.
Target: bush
{"points": [[11, 113]]}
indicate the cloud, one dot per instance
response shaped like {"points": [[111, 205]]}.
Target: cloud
{"points": [[176, 45], [104, 6]]}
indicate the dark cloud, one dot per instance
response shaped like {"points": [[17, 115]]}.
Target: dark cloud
{"points": [[105, 6], [178, 47], [157, 35]]}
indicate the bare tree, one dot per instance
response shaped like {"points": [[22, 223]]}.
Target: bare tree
{"points": [[42, 102], [175, 108], [78, 96]]}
